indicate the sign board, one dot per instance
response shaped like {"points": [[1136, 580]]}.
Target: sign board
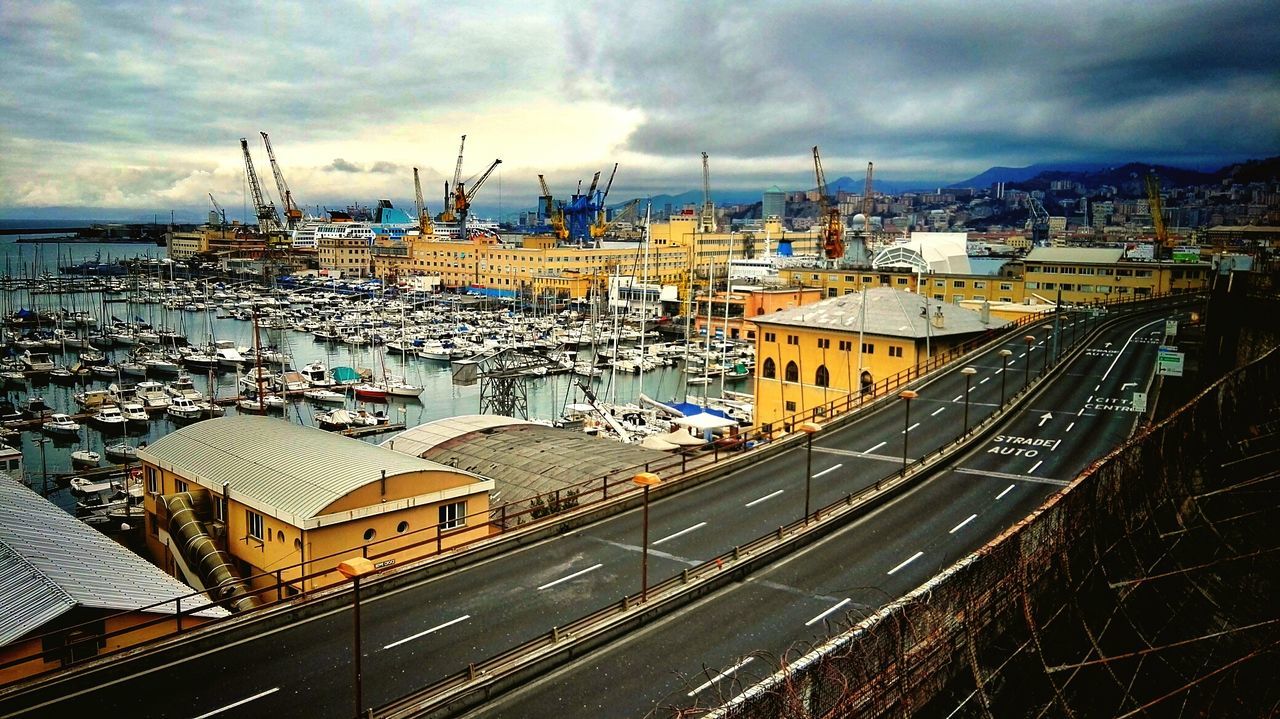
{"points": [[384, 563], [1169, 364], [1140, 401], [1170, 328]]}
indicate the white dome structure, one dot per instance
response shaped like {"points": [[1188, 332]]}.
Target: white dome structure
{"points": [[925, 252]]}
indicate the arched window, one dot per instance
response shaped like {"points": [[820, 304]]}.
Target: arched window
{"points": [[822, 378], [770, 369], [793, 372]]}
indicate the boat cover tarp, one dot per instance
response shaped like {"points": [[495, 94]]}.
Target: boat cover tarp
{"points": [[653, 441], [683, 438], [704, 420], [345, 374], [688, 409]]}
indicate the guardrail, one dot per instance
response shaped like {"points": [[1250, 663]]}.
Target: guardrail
{"points": [[590, 495]]}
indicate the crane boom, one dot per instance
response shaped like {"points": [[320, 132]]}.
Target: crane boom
{"points": [[218, 209], [609, 185], [867, 204], [291, 212], [832, 230], [708, 209], [462, 197], [265, 211], [457, 169]]}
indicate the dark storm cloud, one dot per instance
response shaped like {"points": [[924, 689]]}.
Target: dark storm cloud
{"points": [[985, 81]]}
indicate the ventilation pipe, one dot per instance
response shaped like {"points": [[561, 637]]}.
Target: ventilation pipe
{"points": [[222, 582]]}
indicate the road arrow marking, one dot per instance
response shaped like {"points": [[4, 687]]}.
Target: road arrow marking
{"points": [[1105, 346], [1045, 418], [1127, 385]]}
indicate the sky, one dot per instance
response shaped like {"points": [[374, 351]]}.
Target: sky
{"points": [[141, 105]]}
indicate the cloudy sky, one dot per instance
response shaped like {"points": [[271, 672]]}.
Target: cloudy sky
{"points": [[142, 104]]}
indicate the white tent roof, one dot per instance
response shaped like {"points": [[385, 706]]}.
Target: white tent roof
{"points": [[704, 420], [682, 437], [654, 441]]}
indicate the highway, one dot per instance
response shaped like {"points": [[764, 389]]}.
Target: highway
{"points": [[422, 632], [728, 640]]}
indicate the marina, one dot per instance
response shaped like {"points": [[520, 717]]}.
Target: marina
{"points": [[129, 358]]}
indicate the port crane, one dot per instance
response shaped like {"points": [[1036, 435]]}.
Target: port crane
{"points": [[1038, 222], [553, 212], [222, 214], [829, 223], [462, 197], [264, 209], [602, 227], [292, 214], [708, 219], [1156, 205], [867, 204], [425, 228], [602, 224]]}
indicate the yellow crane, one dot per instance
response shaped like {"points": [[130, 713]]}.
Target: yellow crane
{"points": [[425, 228], [554, 214], [1157, 213], [829, 223], [601, 227]]}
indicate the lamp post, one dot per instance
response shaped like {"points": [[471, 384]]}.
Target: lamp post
{"points": [[355, 569], [645, 480], [968, 373], [1004, 370], [1046, 354], [810, 429], [907, 395], [1026, 380]]}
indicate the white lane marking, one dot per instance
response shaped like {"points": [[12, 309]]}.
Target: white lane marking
{"points": [[1097, 387], [1019, 477], [1125, 347], [1068, 430], [1006, 491], [1035, 466], [999, 370], [913, 558], [828, 469], [972, 388], [421, 634], [1024, 354], [958, 526], [937, 412], [686, 530], [770, 495], [822, 616], [242, 701], [985, 380], [958, 398], [878, 446], [1087, 401], [720, 676], [1080, 412], [908, 429], [575, 575]]}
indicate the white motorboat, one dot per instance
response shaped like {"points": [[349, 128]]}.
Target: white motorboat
{"points": [[109, 416], [60, 423], [122, 452], [134, 411], [152, 394], [324, 395], [183, 409], [316, 375], [183, 386], [399, 387], [85, 458], [36, 361], [160, 365]]}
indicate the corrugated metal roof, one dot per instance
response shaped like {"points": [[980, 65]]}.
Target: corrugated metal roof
{"points": [[890, 313], [283, 469], [51, 562], [523, 458], [1081, 255]]}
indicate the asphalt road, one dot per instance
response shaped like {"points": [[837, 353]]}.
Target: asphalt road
{"points": [[423, 632], [710, 652]]}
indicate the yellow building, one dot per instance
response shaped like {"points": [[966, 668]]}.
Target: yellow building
{"points": [[677, 253], [815, 354], [72, 593], [1097, 274], [344, 256], [277, 494], [834, 282], [182, 245]]}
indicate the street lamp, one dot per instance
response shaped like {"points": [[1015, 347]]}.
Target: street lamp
{"points": [[646, 480], [907, 395], [355, 569], [968, 373], [1004, 370], [810, 429], [1046, 353], [1026, 381]]}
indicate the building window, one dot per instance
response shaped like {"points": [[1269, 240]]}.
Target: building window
{"points": [[220, 509], [868, 348], [793, 373], [979, 285], [902, 280], [895, 351], [824, 343], [793, 339], [822, 378], [770, 369], [402, 527], [957, 284], [370, 534], [769, 336], [153, 483], [253, 524], [1033, 285], [453, 515], [1005, 286], [846, 345], [179, 486], [790, 406]]}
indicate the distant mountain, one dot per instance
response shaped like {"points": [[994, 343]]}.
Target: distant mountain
{"points": [[1022, 174], [742, 197]]}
